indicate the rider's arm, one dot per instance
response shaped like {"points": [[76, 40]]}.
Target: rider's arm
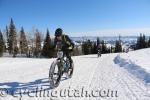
{"points": [[67, 37]]}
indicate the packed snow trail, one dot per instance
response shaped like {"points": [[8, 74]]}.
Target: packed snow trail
{"points": [[93, 79]]}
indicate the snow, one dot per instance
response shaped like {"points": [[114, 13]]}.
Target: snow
{"points": [[137, 63], [104, 78], [140, 57]]}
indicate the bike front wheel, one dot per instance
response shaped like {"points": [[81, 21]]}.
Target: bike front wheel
{"points": [[54, 74]]}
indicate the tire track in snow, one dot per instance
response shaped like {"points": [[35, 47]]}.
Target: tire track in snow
{"points": [[136, 90], [82, 76], [128, 85], [130, 82]]}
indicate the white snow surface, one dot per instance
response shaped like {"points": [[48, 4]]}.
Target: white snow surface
{"points": [[139, 57], [110, 77], [137, 63]]}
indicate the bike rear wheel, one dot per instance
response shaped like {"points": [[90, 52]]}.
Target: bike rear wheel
{"points": [[99, 54]]}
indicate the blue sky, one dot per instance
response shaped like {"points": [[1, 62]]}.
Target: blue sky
{"points": [[77, 16]]}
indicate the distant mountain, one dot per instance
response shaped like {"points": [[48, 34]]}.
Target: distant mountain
{"points": [[106, 38]]}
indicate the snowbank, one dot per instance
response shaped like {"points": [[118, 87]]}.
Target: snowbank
{"points": [[137, 63]]}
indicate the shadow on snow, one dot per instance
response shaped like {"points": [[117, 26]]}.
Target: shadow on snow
{"points": [[30, 87]]}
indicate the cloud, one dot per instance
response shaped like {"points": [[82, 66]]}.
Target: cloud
{"points": [[116, 32]]}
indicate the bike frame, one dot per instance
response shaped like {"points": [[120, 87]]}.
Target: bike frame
{"points": [[62, 61]]}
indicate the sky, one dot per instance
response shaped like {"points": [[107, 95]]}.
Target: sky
{"points": [[78, 17]]}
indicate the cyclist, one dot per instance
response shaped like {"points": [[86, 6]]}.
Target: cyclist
{"points": [[65, 42], [99, 49]]}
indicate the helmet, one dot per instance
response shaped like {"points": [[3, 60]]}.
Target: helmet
{"points": [[58, 32]]}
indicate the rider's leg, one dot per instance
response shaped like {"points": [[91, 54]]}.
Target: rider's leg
{"points": [[68, 55]]}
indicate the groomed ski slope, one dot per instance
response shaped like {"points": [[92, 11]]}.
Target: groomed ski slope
{"points": [[104, 78]]}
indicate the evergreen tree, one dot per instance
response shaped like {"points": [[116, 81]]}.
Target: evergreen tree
{"points": [[84, 47], [149, 42], [141, 42], [94, 50], [76, 51], [13, 49], [111, 49], [46, 52], [37, 49], [87, 47], [23, 42], [104, 48], [98, 41], [89, 43], [2, 45], [8, 42], [118, 47]]}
